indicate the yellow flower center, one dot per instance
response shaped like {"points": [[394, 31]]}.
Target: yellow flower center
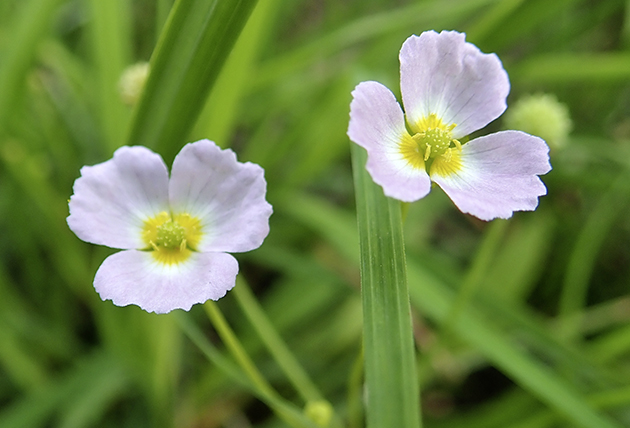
{"points": [[171, 239], [170, 235], [432, 146]]}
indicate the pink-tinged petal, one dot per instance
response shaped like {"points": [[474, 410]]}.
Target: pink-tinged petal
{"points": [[226, 195], [498, 175], [443, 74], [377, 124], [135, 278], [112, 199]]}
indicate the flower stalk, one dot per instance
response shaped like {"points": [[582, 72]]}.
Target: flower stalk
{"points": [[274, 343]]}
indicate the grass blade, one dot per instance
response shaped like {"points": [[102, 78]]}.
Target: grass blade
{"points": [[27, 31], [434, 299], [196, 41], [390, 371]]}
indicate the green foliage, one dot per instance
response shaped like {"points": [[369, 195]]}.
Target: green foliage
{"points": [[521, 323], [390, 370]]}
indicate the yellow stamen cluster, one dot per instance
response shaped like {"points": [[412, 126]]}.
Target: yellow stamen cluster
{"points": [[171, 239], [170, 235], [433, 141]]}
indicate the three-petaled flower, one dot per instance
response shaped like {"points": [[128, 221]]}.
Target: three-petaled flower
{"points": [[449, 89], [177, 231]]}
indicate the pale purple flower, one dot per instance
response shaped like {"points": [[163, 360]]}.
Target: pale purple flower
{"points": [[449, 89], [175, 231]]}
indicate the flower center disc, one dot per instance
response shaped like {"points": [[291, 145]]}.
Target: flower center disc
{"points": [[171, 235], [432, 142], [435, 142], [171, 240]]}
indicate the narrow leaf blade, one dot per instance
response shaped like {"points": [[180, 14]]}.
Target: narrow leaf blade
{"points": [[196, 41], [390, 371]]}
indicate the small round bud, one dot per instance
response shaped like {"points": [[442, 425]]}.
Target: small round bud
{"points": [[541, 115], [132, 82], [319, 411]]}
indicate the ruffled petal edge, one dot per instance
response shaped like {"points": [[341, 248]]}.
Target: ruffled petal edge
{"points": [[135, 278], [498, 175], [377, 124]]}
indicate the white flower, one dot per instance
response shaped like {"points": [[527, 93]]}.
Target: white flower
{"points": [[449, 89], [175, 232]]}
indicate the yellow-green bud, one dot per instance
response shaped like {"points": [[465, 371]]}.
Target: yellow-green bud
{"points": [[319, 412], [132, 82], [541, 115]]}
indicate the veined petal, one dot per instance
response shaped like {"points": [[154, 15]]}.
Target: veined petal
{"points": [[445, 75], [497, 175], [226, 195], [135, 278], [377, 124], [112, 199]]}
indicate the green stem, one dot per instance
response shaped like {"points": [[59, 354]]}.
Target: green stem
{"points": [[274, 343], [234, 345], [285, 410]]}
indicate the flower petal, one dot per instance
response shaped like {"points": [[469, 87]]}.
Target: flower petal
{"points": [[498, 175], [112, 199], [228, 196], [377, 124], [135, 278], [443, 74]]}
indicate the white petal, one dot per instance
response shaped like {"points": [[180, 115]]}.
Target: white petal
{"points": [[134, 278], [111, 200], [228, 196], [443, 74], [499, 175], [377, 124]]}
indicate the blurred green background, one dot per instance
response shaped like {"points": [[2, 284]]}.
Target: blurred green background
{"points": [[520, 323]]}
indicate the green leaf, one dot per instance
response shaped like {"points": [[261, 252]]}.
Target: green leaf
{"points": [[588, 245], [403, 20], [27, 32], [390, 371], [222, 107], [574, 67], [110, 46], [81, 394], [197, 39], [435, 299]]}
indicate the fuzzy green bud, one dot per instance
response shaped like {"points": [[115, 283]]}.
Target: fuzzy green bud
{"points": [[132, 82], [320, 412], [541, 115]]}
